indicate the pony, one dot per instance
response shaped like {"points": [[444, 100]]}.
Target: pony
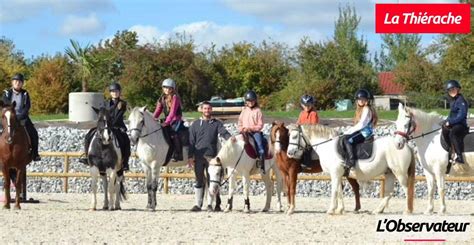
{"points": [[387, 160], [14, 152], [152, 149], [290, 167], [233, 156], [425, 130], [105, 159]]}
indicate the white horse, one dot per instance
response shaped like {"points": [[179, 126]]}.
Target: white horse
{"points": [[233, 157], [152, 149], [387, 160], [424, 128], [104, 156]]}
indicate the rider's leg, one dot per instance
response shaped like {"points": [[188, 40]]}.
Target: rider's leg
{"points": [[125, 148], [30, 128], [87, 142], [258, 137], [457, 137]]}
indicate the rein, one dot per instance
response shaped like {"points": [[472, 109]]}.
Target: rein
{"points": [[407, 134], [141, 128]]}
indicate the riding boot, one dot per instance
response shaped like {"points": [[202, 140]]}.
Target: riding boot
{"points": [[198, 196], [178, 149], [350, 158], [87, 142]]}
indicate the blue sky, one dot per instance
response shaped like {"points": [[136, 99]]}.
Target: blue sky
{"points": [[45, 26]]}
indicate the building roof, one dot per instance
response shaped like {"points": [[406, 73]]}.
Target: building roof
{"points": [[388, 85]]}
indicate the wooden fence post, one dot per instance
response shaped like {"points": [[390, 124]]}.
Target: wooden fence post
{"points": [[66, 171], [166, 181]]}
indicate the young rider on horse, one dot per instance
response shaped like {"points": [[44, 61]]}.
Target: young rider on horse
{"points": [[308, 115], [170, 104], [117, 108], [455, 126], [365, 119], [251, 122], [22, 109]]}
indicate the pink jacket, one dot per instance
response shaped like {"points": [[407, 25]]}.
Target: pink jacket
{"points": [[251, 118], [175, 113]]}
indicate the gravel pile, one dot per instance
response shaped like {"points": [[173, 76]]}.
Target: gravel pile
{"points": [[65, 139]]}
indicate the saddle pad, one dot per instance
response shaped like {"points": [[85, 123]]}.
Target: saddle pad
{"points": [[363, 150], [250, 149], [468, 143]]}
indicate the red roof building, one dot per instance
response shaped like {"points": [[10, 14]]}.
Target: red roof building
{"points": [[388, 85]]}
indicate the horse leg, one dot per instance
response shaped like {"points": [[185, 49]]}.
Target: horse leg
{"points": [[230, 195], [279, 187], [340, 200], [440, 183], [335, 188], [112, 181], [94, 177], [287, 185], [105, 188], [155, 174], [268, 189], [246, 182], [430, 183], [148, 186], [356, 189], [19, 187], [389, 187], [292, 178], [118, 182]]}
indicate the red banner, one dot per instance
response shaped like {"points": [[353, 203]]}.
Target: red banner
{"points": [[423, 18]]}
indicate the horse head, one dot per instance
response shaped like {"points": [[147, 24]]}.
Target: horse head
{"points": [[216, 175], [9, 119], [297, 143], [279, 136], [104, 124], [405, 126], [136, 123]]}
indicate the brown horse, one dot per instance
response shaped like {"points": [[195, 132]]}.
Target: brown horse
{"points": [[14, 151], [290, 167]]}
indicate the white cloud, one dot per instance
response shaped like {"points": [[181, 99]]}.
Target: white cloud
{"points": [[88, 25], [19, 10], [206, 33]]}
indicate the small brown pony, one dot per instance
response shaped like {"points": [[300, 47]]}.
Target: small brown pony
{"points": [[14, 151], [290, 167]]}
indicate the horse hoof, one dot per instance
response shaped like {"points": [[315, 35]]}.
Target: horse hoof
{"points": [[119, 208], [407, 212], [17, 207], [246, 211], [428, 212], [92, 209], [339, 211], [290, 212], [330, 212], [264, 210], [104, 208]]}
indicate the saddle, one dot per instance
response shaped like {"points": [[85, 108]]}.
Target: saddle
{"points": [[468, 142], [363, 150], [250, 147]]}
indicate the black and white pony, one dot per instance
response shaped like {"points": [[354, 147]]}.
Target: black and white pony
{"points": [[105, 159]]}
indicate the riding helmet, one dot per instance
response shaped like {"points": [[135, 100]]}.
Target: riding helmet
{"points": [[250, 96], [452, 84], [307, 100], [115, 86], [363, 94], [168, 82], [18, 77]]}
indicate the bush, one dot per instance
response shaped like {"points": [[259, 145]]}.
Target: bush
{"points": [[49, 85]]}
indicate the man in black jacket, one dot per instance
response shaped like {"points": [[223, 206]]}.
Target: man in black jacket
{"points": [[203, 139], [22, 109]]}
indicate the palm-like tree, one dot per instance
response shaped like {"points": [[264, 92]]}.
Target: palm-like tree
{"points": [[83, 59]]}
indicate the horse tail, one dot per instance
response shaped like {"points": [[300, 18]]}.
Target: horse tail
{"points": [[411, 182], [123, 193]]}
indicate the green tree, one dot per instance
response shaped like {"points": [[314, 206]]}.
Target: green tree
{"points": [[83, 60], [11, 61], [398, 47]]}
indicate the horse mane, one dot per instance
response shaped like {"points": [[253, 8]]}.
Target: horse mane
{"points": [[425, 119], [319, 130], [229, 150]]}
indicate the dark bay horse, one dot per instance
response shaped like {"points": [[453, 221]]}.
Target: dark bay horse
{"points": [[14, 152], [290, 167]]}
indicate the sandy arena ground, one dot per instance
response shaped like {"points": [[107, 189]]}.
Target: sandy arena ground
{"points": [[65, 218]]}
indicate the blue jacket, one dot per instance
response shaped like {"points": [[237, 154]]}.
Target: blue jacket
{"points": [[458, 113]]}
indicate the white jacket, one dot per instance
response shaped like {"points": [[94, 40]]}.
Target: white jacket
{"points": [[365, 119]]}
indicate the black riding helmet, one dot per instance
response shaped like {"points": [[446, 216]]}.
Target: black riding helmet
{"points": [[452, 84], [115, 86], [18, 77], [307, 100], [250, 96], [363, 94]]}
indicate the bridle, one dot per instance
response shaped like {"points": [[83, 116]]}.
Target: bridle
{"points": [[140, 126], [307, 144], [411, 127], [221, 174]]}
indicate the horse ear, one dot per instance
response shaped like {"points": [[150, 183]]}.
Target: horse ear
{"points": [[274, 123], [96, 110], [218, 160], [14, 104], [400, 106]]}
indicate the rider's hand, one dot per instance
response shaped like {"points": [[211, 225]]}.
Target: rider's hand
{"points": [[446, 124], [164, 124], [233, 139], [190, 162]]}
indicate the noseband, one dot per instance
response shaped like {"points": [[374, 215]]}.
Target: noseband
{"points": [[410, 129]]}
